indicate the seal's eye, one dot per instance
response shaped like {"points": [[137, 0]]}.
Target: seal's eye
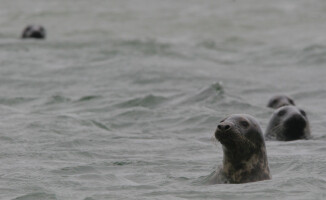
{"points": [[303, 113], [244, 124], [291, 101], [281, 113]]}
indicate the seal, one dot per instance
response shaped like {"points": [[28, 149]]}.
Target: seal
{"points": [[34, 31], [288, 123], [279, 101], [245, 158]]}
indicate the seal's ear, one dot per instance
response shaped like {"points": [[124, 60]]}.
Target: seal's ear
{"points": [[257, 136], [255, 133]]}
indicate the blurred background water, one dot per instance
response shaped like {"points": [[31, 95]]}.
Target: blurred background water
{"points": [[122, 99]]}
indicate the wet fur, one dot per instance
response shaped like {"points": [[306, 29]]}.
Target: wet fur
{"points": [[244, 160], [279, 101], [278, 130], [34, 31]]}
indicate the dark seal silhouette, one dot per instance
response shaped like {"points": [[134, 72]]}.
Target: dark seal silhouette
{"points": [[245, 158], [34, 31], [279, 101], [288, 123]]}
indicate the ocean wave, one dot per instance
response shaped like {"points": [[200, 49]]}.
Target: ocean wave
{"points": [[212, 93], [55, 99], [88, 98], [73, 170], [37, 195], [147, 47], [148, 101], [312, 54], [16, 100]]}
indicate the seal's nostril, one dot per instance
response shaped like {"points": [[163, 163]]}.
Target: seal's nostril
{"points": [[223, 127]]}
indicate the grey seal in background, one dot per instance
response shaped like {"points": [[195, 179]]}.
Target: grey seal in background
{"points": [[279, 101], [245, 158], [288, 123], [34, 31]]}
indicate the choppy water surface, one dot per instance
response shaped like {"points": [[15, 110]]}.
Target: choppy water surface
{"points": [[122, 99]]}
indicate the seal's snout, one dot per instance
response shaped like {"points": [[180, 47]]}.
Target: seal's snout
{"points": [[296, 121], [224, 132], [288, 123], [223, 126], [37, 34]]}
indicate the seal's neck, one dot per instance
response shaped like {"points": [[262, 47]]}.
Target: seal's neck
{"points": [[246, 166]]}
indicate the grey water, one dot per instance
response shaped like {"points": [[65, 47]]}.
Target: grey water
{"points": [[122, 99]]}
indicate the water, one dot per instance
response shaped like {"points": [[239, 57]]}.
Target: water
{"points": [[122, 99]]}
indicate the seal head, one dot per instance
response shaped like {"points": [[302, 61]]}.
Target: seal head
{"points": [[34, 31], [279, 101], [244, 158], [288, 123]]}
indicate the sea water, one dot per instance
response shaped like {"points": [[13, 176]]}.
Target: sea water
{"points": [[122, 99]]}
